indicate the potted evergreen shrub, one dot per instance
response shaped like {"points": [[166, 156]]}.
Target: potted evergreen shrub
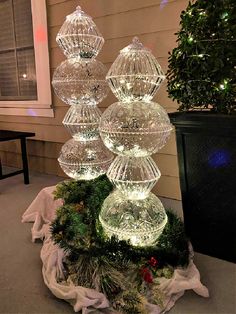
{"points": [[202, 78]]}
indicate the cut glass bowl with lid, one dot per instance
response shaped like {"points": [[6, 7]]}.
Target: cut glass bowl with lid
{"points": [[136, 74], [79, 36]]}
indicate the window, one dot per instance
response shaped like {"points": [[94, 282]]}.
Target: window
{"points": [[17, 59], [24, 60]]}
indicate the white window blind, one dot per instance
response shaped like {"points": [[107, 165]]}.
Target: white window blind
{"points": [[17, 57], [25, 85]]}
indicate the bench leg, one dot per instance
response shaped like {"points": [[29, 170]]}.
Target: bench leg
{"points": [[24, 160], [0, 168]]}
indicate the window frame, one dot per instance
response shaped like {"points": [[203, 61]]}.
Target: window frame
{"points": [[42, 106]]}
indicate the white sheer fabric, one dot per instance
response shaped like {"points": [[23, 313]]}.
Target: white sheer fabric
{"points": [[41, 212]]}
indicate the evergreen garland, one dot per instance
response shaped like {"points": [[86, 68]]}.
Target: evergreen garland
{"points": [[88, 195], [126, 274]]}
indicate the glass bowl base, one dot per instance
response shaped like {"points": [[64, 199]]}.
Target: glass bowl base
{"points": [[139, 221]]}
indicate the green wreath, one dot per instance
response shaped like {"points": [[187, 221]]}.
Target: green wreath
{"points": [[127, 275]]}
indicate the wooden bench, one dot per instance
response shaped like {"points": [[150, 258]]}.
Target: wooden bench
{"points": [[13, 135]]}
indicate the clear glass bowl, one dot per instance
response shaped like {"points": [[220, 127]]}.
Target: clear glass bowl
{"points": [[140, 221], [82, 122], [84, 160], [80, 81], [134, 177], [79, 36], [135, 129], [135, 75]]}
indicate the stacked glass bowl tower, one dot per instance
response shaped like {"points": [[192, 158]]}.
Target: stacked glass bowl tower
{"points": [[80, 82], [134, 128]]}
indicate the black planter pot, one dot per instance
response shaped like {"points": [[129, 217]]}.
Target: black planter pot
{"points": [[206, 145]]}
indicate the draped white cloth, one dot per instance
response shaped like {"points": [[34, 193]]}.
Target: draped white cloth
{"points": [[41, 212]]}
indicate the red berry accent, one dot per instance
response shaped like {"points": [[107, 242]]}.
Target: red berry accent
{"points": [[153, 262], [148, 277], [146, 274]]}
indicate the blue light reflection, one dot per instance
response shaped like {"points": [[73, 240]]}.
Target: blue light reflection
{"points": [[219, 158]]}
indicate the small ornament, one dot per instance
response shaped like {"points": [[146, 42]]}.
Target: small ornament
{"points": [[153, 262], [146, 275], [79, 207]]}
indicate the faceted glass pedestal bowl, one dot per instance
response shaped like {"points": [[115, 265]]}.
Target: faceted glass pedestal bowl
{"points": [[82, 122], [140, 221], [135, 129], [134, 177], [84, 160]]}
